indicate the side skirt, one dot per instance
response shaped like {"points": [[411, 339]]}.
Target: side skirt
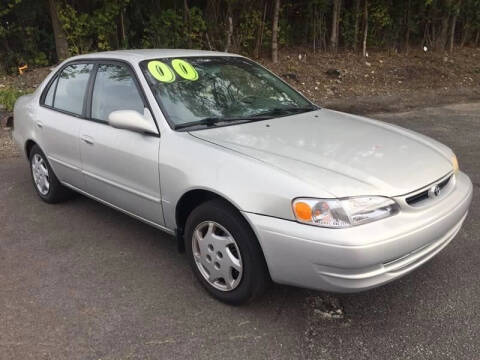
{"points": [[151, 223]]}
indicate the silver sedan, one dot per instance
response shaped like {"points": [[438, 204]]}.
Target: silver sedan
{"points": [[256, 182]]}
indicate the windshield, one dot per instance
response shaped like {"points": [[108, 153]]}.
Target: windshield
{"points": [[210, 90]]}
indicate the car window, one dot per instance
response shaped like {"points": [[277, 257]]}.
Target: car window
{"points": [[71, 87], [114, 89], [194, 88], [49, 97]]}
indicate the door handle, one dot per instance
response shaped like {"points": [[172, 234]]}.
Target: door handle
{"points": [[39, 124], [87, 139]]}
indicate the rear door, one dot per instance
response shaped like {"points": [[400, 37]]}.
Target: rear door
{"points": [[60, 118], [120, 166]]}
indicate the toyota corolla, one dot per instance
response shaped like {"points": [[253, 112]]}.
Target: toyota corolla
{"points": [[256, 182]]}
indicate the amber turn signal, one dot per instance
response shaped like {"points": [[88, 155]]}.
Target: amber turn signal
{"points": [[303, 211]]}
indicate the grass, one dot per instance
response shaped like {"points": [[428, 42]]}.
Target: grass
{"points": [[8, 96]]}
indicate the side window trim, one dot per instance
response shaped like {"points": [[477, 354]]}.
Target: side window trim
{"points": [[57, 79], [88, 98], [46, 91]]}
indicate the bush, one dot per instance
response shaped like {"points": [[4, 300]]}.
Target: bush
{"points": [[8, 96], [167, 29]]}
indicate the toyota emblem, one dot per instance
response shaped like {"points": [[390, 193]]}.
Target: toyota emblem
{"points": [[434, 191]]}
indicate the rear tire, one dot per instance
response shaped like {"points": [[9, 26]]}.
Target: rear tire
{"points": [[45, 182], [224, 253]]}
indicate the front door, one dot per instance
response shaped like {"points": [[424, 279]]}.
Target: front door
{"points": [[120, 166]]}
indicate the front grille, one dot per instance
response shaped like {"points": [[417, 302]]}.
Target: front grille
{"points": [[421, 196]]}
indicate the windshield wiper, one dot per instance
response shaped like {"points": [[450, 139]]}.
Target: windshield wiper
{"points": [[209, 121], [270, 114], [288, 110], [213, 121]]}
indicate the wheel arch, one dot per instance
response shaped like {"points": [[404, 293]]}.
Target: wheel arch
{"points": [[193, 198], [29, 144], [189, 201]]}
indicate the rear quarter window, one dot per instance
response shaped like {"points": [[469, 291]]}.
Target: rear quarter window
{"points": [[71, 88]]}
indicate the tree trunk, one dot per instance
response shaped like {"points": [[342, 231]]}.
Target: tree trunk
{"points": [[430, 34], [365, 28], [208, 41], [122, 29], [211, 19], [477, 38], [454, 24], [314, 28], [186, 19], [324, 33], [229, 34], [452, 33], [339, 16], [466, 34], [276, 12], [320, 33], [425, 37], [335, 25], [357, 24], [442, 38], [407, 34], [441, 41], [211, 12], [61, 44], [433, 36], [258, 45]]}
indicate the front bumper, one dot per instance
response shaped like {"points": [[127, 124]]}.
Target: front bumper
{"points": [[365, 256]]}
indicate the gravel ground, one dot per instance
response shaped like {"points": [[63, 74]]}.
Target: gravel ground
{"points": [[7, 145]]}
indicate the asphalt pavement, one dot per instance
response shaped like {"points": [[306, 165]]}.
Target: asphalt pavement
{"points": [[79, 280]]}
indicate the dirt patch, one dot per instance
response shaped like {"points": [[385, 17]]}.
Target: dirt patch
{"points": [[325, 307], [28, 81], [383, 81], [404, 101]]}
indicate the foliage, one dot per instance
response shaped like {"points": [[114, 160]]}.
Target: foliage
{"points": [[77, 29], [247, 30], [167, 29], [197, 28], [26, 34], [92, 31], [8, 96]]}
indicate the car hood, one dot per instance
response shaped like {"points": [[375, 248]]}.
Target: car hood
{"points": [[345, 155]]}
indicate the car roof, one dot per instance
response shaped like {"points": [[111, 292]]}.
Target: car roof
{"points": [[137, 55]]}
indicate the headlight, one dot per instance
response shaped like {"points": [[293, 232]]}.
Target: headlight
{"points": [[455, 164], [342, 213]]}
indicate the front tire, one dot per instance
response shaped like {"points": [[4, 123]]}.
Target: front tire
{"points": [[45, 182], [224, 253]]}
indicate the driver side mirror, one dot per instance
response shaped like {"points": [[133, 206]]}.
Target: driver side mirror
{"points": [[133, 120]]}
